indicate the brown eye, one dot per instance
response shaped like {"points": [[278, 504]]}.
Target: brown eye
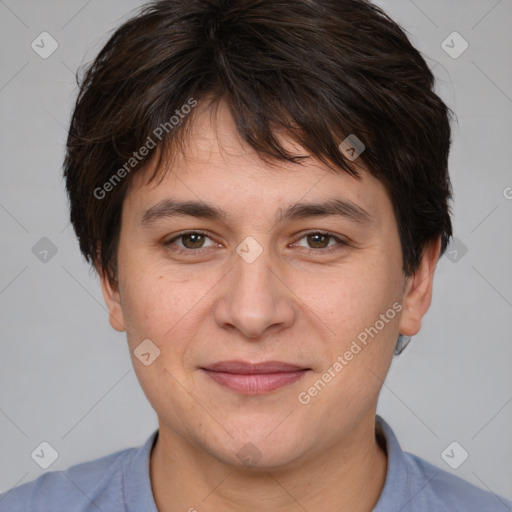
{"points": [[318, 240], [321, 242], [192, 240]]}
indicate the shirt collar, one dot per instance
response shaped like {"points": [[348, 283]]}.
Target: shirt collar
{"points": [[397, 474], [138, 493]]}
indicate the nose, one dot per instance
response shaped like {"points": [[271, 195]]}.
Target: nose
{"points": [[254, 299]]}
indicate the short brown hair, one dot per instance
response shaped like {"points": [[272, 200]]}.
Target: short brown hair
{"points": [[318, 70]]}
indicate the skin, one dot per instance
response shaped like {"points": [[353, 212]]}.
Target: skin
{"points": [[290, 305]]}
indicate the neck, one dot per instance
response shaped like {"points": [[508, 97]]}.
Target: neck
{"points": [[349, 476]]}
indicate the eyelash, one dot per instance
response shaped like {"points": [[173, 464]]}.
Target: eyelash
{"points": [[329, 250]]}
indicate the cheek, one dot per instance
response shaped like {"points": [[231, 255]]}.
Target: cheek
{"points": [[153, 306], [352, 299], [162, 311], [361, 306], [170, 311]]}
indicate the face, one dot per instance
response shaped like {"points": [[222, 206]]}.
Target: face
{"points": [[272, 322]]}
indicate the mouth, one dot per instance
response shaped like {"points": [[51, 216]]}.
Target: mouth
{"points": [[254, 378]]}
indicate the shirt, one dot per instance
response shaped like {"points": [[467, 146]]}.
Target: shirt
{"points": [[120, 482]]}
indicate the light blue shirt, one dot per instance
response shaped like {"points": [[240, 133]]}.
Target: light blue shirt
{"points": [[120, 482]]}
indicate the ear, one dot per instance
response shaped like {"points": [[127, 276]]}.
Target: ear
{"points": [[418, 290], [113, 301]]}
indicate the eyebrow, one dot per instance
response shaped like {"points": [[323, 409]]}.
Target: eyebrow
{"points": [[340, 207], [168, 208]]}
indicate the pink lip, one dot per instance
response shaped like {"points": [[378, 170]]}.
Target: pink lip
{"points": [[254, 378]]}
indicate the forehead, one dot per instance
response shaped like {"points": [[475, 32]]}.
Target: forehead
{"points": [[216, 165]]}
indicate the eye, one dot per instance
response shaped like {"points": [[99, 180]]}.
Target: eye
{"points": [[318, 242], [321, 241], [189, 241]]}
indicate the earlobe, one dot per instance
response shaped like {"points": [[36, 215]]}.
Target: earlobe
{"points": [[418, 292], [113, 301]]}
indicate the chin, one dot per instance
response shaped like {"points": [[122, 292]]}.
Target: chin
{"points": [[264, 448]]}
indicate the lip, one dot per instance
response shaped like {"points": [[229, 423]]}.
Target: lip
{"points": [[254, 378]]}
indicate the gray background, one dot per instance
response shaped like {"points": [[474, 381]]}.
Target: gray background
{"points": [[65, 374]]}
